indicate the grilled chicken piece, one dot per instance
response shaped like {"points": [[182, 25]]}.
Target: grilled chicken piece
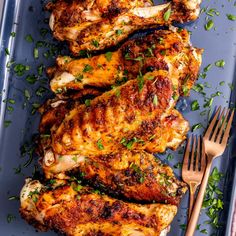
{"points": [[88, 27], [75, 210], [128, 113], [134, 175], [161, 50]]}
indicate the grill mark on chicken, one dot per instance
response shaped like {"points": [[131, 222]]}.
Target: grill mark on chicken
{"points": [[68, 138]]}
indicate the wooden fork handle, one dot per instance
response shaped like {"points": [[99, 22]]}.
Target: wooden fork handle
{"points": [[192, 188], [198, 203]]}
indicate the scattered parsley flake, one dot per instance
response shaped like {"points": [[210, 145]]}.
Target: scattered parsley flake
{"points": [[195, 105], [7, 123], [231, 17], [220, 63], [155, 100], [108, 56], [209, 25], [100, 145], [167, 15], [29, 38], [119, 32], [87, 68], [87, 102], [196, 126]]}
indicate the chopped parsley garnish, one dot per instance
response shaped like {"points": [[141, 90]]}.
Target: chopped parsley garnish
{"points": [[99, 144], [196, 126], [195, 105], [129, 143], [231, 17], [31, 79], [213, 198], [29, 38], [13, 34], [167, 15], [178, 165], [209, 24], [95, 43], [7, 123], [108, 56], [208, 102], [169, 157], [140, 82], [79, 78], [7, 51], [87, 102], [155, 100], [87, 68], [36, 53], [119, 32], [220, 63], [10, 218], [20, 69], [207, 68]]}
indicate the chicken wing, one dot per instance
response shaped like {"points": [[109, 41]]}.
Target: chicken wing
{"points": [[162, 50], [87, 27], [76, 210]]}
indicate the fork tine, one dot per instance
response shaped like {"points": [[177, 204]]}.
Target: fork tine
{"points": [[226, 134], [198, 154], [203, 156], [186, 154], [217, 125], [222, 126], [212, 124], [193, 153]]}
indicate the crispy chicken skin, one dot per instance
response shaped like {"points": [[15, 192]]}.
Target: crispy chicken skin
{"points": [[168, 50], [94, 26], [137, 176], [130, 112], [76, 210]]}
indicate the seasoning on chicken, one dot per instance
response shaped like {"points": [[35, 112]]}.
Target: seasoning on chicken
{"points": [[135, 175], [92, 27], [76, 210], [162, 50], [129, 112]]}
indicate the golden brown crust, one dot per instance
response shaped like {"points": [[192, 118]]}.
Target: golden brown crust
{"points": [[135, 113], [162, 50], [82, 212], [84, 22]]}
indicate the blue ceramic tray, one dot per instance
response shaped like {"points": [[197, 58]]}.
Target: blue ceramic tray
{"points": [[26, 17]]}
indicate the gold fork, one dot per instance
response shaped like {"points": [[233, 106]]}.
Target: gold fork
{"points": [[215, 141], [193, 168]]}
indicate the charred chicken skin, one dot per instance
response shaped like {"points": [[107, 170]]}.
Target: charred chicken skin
{"points": [[129, 112], [137, 176], [94, 25], [162, 50], [76, 210]]}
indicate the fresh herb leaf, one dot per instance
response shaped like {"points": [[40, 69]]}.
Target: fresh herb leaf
{"points": [[87, 102], [100, 145], [119, 32], [7, 123], [95, 43], [29, 38], [108, 56], [231, 17], [167, 15], [220, 63], [155, 100], [87, 68], [196, 126], [195, 105], [209, 25]]}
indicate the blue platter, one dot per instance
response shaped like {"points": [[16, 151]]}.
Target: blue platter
{"points": [[19, 100]]}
